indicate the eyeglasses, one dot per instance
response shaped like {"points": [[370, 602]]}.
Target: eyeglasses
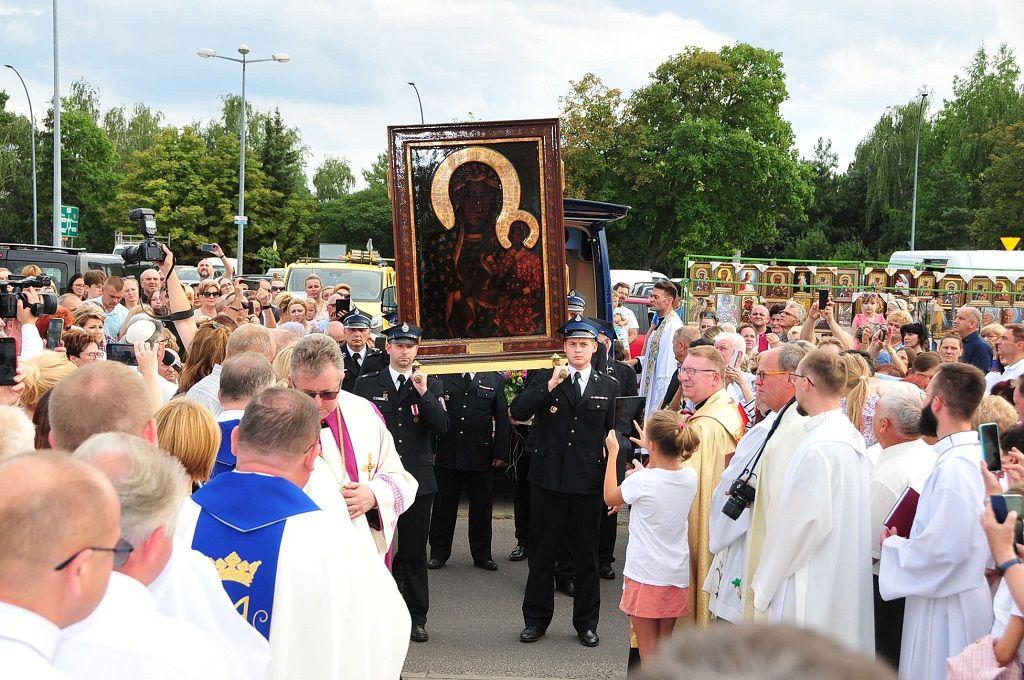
{"points": [[690, 372], [236, 309], [121, 552], [761, 375], [802, 377], [92, 356], [326, 395]]}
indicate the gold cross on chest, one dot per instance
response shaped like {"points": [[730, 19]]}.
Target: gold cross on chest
{"points": [[368, 468]]}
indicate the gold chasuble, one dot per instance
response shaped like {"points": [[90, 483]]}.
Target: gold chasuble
{"points": [[719, 426]]}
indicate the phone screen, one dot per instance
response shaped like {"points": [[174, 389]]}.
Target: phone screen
{"points": [[735, 358], [8, 361], [54, 332], [1014, 503], [207, 248], [988, 433], [122, 352], [822, 298], [342, 305]]}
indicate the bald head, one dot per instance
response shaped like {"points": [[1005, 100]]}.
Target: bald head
{"points": [[51, 507], [104, 396], [336, 330], [251, 337]]}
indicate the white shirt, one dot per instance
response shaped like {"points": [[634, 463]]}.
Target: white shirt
{"points": [[584, 377], [658, 552], [31, 342], [1003, 607], [395, 374], [126, 637], [189, 589], [230, 414], [896, 468], [1011, 372], [361, 354], [206, 392], [28, 643]]}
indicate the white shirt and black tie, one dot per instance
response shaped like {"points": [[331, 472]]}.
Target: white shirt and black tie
{"points": [[579, 381], [358, 356], [399, 379]]}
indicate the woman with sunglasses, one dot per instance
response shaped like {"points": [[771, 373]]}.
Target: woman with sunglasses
{"points": [[208, 293]]}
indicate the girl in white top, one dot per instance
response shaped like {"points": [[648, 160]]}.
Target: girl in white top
{"points": [[657, 571]]}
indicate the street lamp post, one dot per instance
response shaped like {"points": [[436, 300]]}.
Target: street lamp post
{"points": [[56, 133], [420, 101], [240, 219], [917, 147], [32, 120]]}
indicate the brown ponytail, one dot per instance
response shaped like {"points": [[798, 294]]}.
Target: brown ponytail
{"points": [[669, 432]]}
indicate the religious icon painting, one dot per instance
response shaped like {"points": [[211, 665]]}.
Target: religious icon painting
{"points": [[844, 314], [925, 285], [824, 280], [479, 240], [979, 290], [727, 308], [990, 315], [749, 277], [952, 291], [902, 281], [777, 284], [1010, 315], [700, 279], [1018, 292], [747, 303], [846, 284], [1002, 294], [725, 278], [876, 279], [802, 280]]}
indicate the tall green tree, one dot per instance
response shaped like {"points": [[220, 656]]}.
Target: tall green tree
{"points": [[132, 132], [1002, 187], [333, 179], [357, 217], [16, 178], [281, 155]]}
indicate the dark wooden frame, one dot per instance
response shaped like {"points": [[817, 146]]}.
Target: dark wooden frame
{"points": [[498, 351]]}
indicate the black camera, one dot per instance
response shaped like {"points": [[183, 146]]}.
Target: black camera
{"points": [[149, 250], [741, 495], [12, 290]]}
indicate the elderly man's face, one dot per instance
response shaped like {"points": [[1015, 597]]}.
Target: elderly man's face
{"points": [[150, 280], [699, 378], [759, 316], [315, 384], [787, 319], [964, 324], [356, 338]]}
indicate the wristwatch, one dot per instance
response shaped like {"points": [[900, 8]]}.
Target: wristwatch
{"points": [[1001, 568]]}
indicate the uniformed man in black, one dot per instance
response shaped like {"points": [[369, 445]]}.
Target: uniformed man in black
{"points": [[360, 358], [573, 408], [415, 414], [476, 443]]}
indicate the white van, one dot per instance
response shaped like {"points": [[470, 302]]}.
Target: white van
{"points": [[966, 263], [634, 276]]}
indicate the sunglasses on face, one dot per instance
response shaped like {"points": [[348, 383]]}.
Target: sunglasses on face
{"points": [[325, 395], [210, 294]]}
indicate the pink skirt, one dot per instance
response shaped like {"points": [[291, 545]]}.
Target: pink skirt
{"points": [[654, 602]]}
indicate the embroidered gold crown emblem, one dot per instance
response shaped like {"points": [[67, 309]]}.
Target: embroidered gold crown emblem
{"points": [[234, 568]]}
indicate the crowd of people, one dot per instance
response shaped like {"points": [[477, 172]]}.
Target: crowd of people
{"points": [[760, 474]]}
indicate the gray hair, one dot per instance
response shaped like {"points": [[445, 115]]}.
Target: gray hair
{"points": [[687, 333], [735, 340], [63, 299], [150, 483], [314, 353], [789, 356], [975, 314], [251, 337], [245, 375], [19, 432], [279, 422], [284, 338], [902, 403]]}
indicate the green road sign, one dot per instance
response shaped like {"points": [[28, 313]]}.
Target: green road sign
{"points": [[69, 221]]}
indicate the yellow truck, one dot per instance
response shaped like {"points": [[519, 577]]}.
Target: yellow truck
{"points": [[366, 272]]}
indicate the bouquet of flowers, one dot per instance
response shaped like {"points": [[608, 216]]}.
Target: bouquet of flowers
{"points": [[514, 382]]}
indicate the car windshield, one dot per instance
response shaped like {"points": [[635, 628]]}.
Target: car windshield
{"points": [[366, 284]]}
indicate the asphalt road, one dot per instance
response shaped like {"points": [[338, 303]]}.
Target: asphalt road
{"points": [[475, 618]]}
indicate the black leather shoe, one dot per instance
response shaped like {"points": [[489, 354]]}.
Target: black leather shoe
{"points": [[588, 638], [434, 563], [565, 587], [531, 634], [419, 633], [605, 571], [517, 555], [486, 565]]}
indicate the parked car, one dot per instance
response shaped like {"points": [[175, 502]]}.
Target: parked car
{"points": [[59, 263]]}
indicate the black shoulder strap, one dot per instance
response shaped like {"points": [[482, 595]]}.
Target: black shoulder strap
{"points": [[778, 421]]}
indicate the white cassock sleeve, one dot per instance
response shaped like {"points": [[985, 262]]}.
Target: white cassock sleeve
{"points": [[337, 611], [724, 531], [392, 485], [803, 524], [932, 562]]}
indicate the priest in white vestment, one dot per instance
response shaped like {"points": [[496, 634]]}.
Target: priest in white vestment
{"points": [[940, 568], [183, 583], [815, 571], [306, 578], [356, 444], [658, 363]]}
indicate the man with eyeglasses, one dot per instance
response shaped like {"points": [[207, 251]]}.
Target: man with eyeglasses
{"points": [[55, 512], [728, 536], [717, 421], [815, 571], [132, 634], [414, 411], [326, 604]]}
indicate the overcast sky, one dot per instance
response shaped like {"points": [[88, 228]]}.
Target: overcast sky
{"points": [[845, 61]]}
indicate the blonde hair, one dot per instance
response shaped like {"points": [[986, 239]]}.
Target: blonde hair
{"points": [[992, 329], [996, 410], [669, 432], [41, 373], [188, 432], [858, 374], [31, 270], [88, 311], [208, 348], [283, 364]]}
